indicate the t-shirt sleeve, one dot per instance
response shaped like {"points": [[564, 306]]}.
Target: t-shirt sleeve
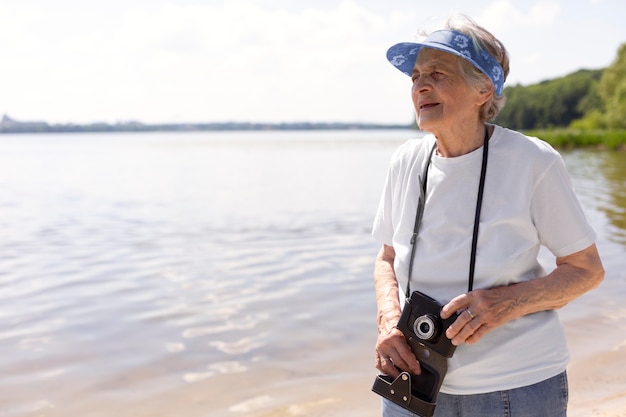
{"points": [[557, 213], [382, 229]]}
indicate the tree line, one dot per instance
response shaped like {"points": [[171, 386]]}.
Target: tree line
{"points": [[585, 99]]}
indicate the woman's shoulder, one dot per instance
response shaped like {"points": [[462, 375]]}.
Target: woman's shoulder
{"points": [[523, 145], [524, 155], [413, 150]]}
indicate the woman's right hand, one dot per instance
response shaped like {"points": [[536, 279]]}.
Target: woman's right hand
{"points": [[392, 350], [393, 353]]}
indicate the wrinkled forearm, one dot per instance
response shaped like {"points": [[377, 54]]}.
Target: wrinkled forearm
{"points": [[574, 276], [387, 292]]}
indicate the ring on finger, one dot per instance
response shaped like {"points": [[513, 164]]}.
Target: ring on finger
{"points": [[470, 313]]}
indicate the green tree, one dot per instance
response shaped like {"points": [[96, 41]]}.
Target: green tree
{"points": [[606, 108], [612, 90], [551, 103]]}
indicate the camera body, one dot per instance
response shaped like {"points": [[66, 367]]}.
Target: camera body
{"points": [[422, 324], [424, 330]]}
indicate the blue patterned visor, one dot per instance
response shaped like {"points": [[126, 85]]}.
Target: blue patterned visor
{"points": [[403, 55]]}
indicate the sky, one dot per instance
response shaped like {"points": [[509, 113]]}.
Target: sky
{"points": [[186, 61]]}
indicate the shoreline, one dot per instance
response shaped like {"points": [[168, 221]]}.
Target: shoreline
{"points": [[596, 373], [597, 368]]}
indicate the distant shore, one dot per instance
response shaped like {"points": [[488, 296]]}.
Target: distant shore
{"points": [[9, 125], [559, 137]]}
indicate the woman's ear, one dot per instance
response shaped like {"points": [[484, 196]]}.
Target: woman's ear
{"points": [[485, 94]]}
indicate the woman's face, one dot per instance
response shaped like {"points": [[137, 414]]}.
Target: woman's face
{"points": [[442, 97]]}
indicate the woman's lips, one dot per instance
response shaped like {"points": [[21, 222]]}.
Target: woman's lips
{"points": [[428, 105]]}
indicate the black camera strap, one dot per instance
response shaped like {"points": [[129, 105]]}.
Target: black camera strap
{"points": [[420, 212]]}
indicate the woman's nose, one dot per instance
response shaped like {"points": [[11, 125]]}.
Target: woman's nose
{"points": [[421, 83]]}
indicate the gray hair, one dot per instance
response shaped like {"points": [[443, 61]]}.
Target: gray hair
{"points": [[474, 77]]}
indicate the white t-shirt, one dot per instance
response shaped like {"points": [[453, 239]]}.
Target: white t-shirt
{"points": [[528, 202]]}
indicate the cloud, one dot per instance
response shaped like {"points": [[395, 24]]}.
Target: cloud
{"points": [[259, 60], [192, 62], [504, 15], [245, 59]]}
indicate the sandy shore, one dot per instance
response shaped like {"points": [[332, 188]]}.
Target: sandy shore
{"points": [[597, 378], [597, 370], [597, 388], [339, 386], [598, 385]]}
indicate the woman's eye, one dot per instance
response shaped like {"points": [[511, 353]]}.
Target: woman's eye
{"points": [[433, 74]]}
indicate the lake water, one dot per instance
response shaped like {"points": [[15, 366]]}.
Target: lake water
{"points": [[218, 274]]}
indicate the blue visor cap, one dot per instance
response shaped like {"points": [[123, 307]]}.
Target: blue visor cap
{"points": [[403, 55]]}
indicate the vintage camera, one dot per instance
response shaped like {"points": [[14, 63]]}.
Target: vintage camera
{"points": [[424, 330]]}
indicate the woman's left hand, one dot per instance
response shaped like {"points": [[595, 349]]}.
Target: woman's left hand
{"points": [[480, 312]]}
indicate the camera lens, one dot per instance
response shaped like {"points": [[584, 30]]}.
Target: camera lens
{"points": [[426, 327]]}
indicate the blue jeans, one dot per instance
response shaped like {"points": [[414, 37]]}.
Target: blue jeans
{"points": [[544, 399]]}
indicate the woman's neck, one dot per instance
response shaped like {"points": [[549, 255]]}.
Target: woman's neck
{"points": [[452, 144]]}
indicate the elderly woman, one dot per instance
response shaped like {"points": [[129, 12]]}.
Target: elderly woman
{"points": [[487, 198]]}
